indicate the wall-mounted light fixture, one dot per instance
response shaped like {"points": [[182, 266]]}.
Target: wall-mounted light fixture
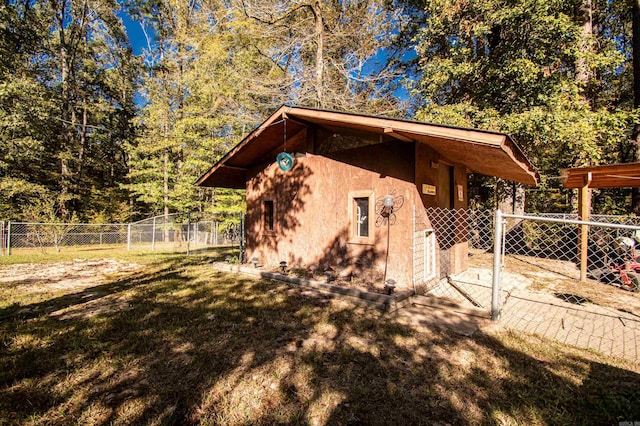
{"points": [[390, 286], [330, 273], [387, 203]]}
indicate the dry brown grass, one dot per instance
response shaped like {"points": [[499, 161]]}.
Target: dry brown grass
{"points": [[181, 343]]}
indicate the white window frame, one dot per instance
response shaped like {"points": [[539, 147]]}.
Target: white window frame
{"points": [[355, 215]]}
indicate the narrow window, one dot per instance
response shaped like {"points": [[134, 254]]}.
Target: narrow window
{"points": [[362, 216], [268, 215]]}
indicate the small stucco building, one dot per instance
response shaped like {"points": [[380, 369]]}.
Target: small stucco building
{"points": [[327, 209]]}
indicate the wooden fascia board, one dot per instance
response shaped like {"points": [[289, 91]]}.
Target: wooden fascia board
{"points": [[606, 169], [604, 181], [515, 153], [401, 127], [519, 168], [231, 176]]}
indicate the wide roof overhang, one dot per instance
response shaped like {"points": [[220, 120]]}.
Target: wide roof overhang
{"points": [[484, 152], [609, 176]]}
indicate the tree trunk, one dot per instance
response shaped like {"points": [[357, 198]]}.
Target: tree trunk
{"points": [[83, 142], [165, 194], [635, 50], [319, 34], [510, 196], [66, 134], [585, 16]]}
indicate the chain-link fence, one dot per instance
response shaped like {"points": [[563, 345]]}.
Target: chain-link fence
{"points": [[47, 237], [186, 231], [577, 282], [445, 241], [581, 280], [172, 232]]}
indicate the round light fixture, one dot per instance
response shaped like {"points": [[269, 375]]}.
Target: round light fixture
{"points": [[285, 161]]}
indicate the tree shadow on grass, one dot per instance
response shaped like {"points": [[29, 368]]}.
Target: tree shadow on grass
{"points": [[200, 346]]}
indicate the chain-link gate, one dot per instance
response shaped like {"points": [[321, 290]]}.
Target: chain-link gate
{"points": [[527, 272], [444, 242], [579, 281]]}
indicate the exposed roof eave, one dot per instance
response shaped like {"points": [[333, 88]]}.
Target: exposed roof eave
{"points": [[608, 176], [254, 134], [489, 153]]}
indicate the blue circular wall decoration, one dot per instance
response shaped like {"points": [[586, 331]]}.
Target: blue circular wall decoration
{"points": [[285, 161]]}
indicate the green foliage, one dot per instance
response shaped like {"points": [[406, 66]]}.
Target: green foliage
{"points": [[66, 103], [538, 71], [558, 81]]}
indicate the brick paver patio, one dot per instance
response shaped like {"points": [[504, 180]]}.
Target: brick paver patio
{"points": [[586, 325]]}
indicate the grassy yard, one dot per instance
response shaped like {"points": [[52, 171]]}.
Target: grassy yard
{"points": [[175, 342]]}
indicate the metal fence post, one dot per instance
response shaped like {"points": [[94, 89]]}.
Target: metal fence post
{"points": [[129, 237], [188, 229], [9, 238], [153, 235], [241, 238], [497, 251], [413, 250]]}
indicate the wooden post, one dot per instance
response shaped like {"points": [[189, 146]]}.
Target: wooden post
{"points": [[584, 207]]}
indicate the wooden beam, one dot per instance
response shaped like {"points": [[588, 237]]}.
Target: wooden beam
{"points": [[390, 131], [611, 168], [606, 181], [294, 143], [584, 207], [611, 176]]}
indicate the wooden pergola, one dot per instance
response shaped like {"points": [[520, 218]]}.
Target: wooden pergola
{"points": [[586, 178]]}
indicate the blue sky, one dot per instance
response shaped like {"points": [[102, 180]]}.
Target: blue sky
{"points": [[138, 43], [135, 32]]}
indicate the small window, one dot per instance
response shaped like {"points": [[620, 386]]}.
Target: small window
{"points": [[268, 215], [361, 216]]}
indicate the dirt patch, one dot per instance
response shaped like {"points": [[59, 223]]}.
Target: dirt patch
{"points": [[103, 305], [70, 275]]}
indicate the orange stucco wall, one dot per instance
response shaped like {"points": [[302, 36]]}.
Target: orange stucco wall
{"points": [[313, 213], [313, 217]]}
